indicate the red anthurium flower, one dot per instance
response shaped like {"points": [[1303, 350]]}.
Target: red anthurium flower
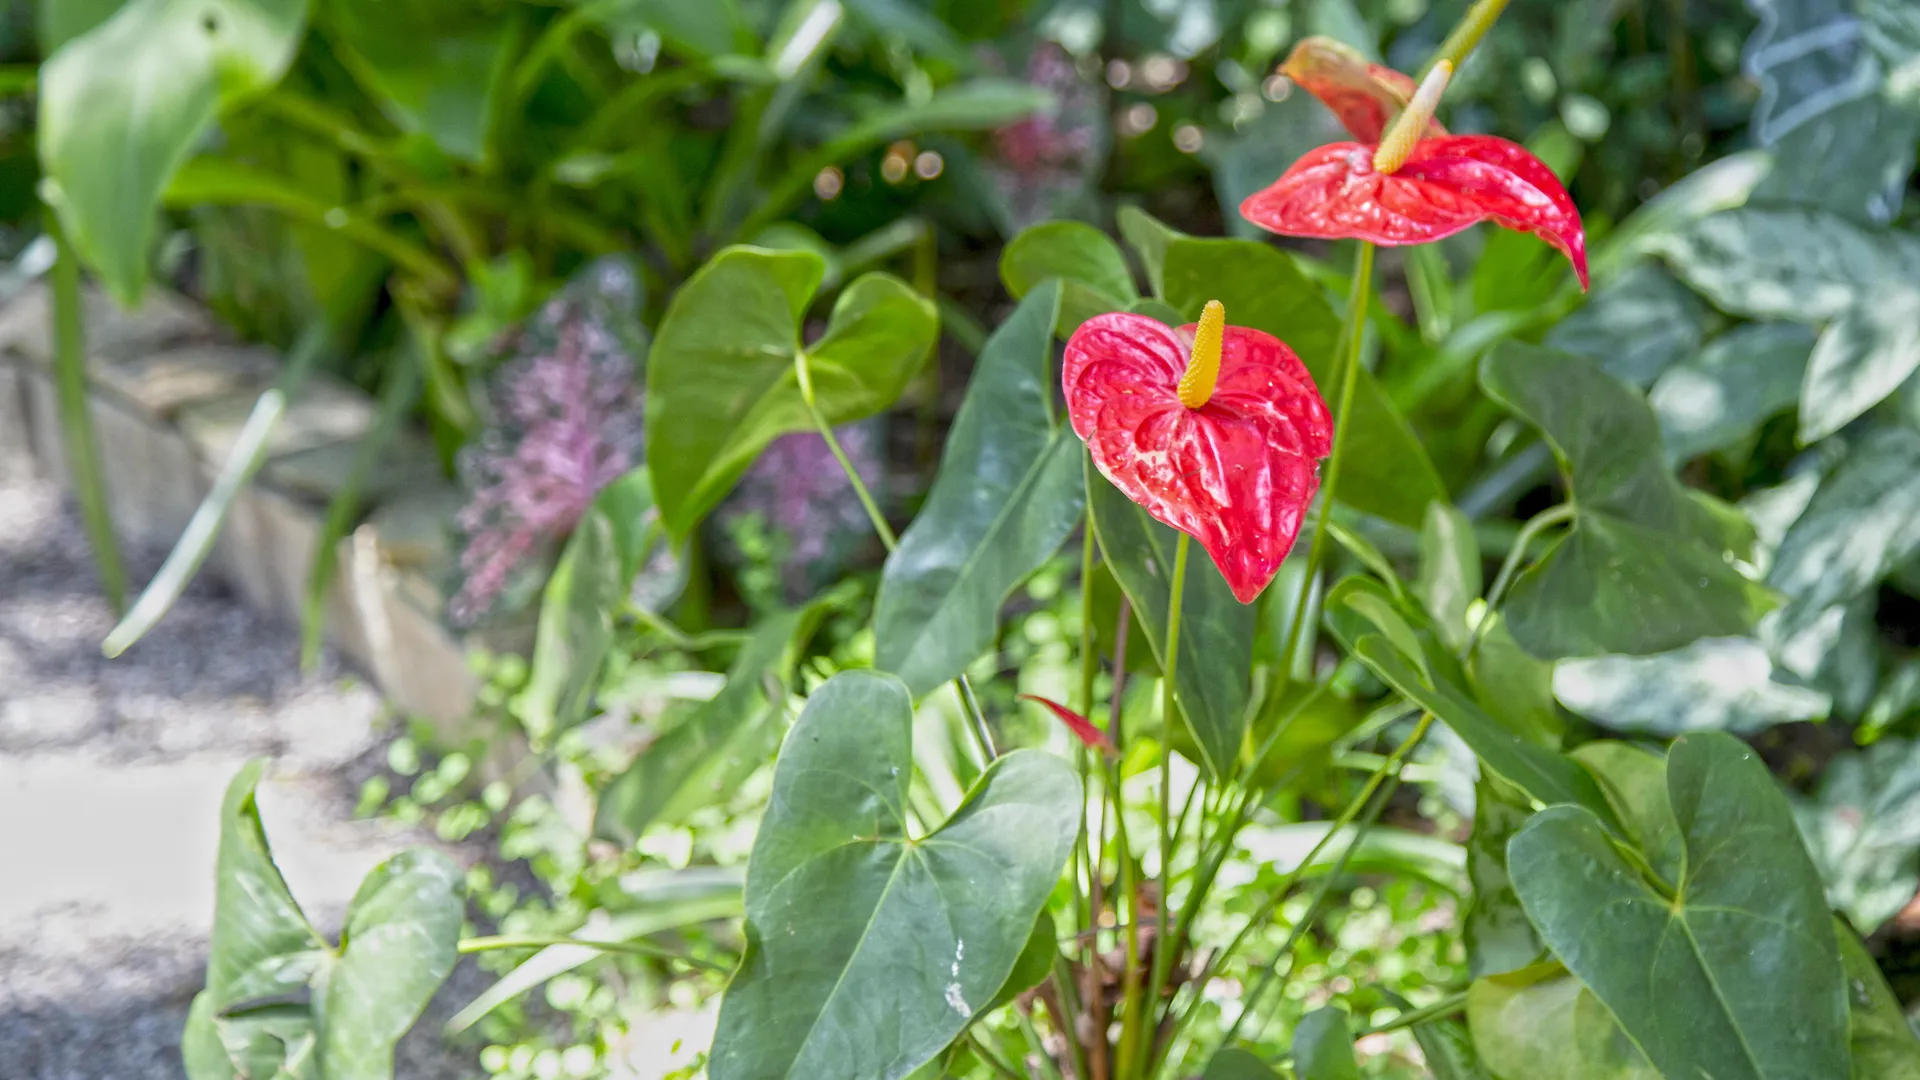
{"points": [[1412, 186], [1082, 730], [1366, 97], [1216, 430]]}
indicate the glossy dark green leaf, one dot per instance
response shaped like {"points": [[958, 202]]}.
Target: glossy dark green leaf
{"points": [[1034, 965], [1714, 684], [1149, 237], [1539, 1022], [1450, 576], [869, 950], [1234, 1063], [1642, 569], [1861, 357], [1216, 630], [1863, 520], [122, 105], [1798, 265], [1697, 980], [1515, 686], [1093, 273], [1635, 326], [589, 587], [396, 948], [1635, 782], [1863, 828], [1545, 775], [1713, 400], [705, 757], [1881, 1042], [1448, 1048], [1496, 931], [1386, 471], [1323, 1046], [1008, 494], [721, 378], [432, 66]]}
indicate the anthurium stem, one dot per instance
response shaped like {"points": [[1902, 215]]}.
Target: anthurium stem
{"points": [[1446, 1006], [1349, 375], [76, 418], [1468, 32], [539, 941], [1539, 523]]}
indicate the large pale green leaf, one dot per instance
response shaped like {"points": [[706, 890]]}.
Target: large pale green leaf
{"points": [[1636, 326], [1448, 1048], [1863, 356], [590, 586], [721, 377], [1711, 401], [1539, 1023], [1089, 265], [1714, 684], [122, 105], [1642, 568], [1216, 630], [64, 20], [257, 926], [868, 949], [1323, 1046], [1854, 159], [1798, 265], [1496, 931], [1008, 494], [1736, 976], [1863, 828], [1386, 471], [433, 66], [396, 948], [1882, 1043], [1863, 520], [704, 759]]}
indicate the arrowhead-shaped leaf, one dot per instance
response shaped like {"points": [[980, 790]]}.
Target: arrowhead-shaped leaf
{"points": [[868, 949], [397, 947], [1539, 1022], [1093, 274], [1737, 975], [1008, 494], [721, 378], [1216, 630]]}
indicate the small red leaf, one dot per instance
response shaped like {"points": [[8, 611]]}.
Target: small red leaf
{"points": [[1236, 473], [1084, 731], [1446, 185], [1364, 96]]}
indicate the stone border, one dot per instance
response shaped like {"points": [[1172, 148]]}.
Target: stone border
{"points": [[169, 393]]}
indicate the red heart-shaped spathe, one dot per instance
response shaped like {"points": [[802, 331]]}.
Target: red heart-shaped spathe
{"points": [[1236, 473], [1447, 184], [1364, 96]]}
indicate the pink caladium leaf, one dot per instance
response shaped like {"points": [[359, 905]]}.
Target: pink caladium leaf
{"points": [[1236, 472], [1093, 737], [1365, 96], [1446, 185]]}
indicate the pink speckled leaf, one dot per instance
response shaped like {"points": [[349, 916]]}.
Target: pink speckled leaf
{"points": [[1237, 473], [1364, 96], [1446, 185]]}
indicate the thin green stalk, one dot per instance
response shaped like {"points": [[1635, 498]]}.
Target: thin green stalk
{"points": [[1067, 998], [1354, 335], [1446, 1006], [976, 719], [1467, 34], [76, 419], [1539, 523], [992, 1059], [540, 941], [1089, 858], [1048, 1069]]}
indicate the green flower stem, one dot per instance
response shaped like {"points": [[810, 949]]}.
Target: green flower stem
{"points": [[1467, 33], [539, 941], [1539, 523], [76, 419], [1446, 1006], [1351, 340], [1086, 891], [976, 720]]}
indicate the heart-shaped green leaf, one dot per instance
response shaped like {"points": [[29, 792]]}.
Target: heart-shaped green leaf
{"points": [[868, 949], [1881, 1042], [1323, 1046], [1216, 630], [1635, 326], [1149, 237], [432, 66], [1234, 1063], [396, 948], [703, 759], [1093, 274], [122, 105], [1737, 975], [1539, 1022], [722, 380], [1386, 471], [1643, 569], [1008, 494]]}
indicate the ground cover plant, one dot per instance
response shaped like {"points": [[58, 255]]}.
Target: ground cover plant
{"points": [[1449, 612]]}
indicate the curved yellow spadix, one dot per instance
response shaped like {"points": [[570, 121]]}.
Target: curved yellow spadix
{"points": [[1203, 366]]}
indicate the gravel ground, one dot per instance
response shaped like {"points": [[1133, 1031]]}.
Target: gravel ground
{"points": [[111, 776]]}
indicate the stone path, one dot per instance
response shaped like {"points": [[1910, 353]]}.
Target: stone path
{"points": [[111, 776]]}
